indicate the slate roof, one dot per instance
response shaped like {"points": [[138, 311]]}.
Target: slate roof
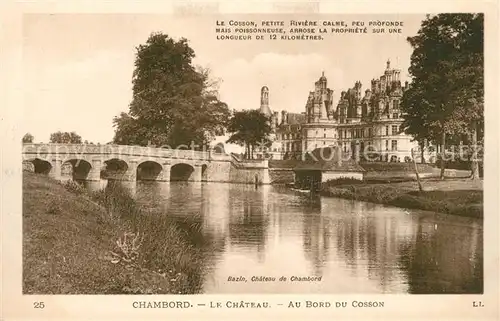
{"points": [[296, 118]]}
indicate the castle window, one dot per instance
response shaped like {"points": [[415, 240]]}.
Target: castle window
{"points": [[394, 145], [394, 129], [386, 130], [386, 145], [395, 104], [340, 134], [395, 115], [370, 132], [324, 135]]}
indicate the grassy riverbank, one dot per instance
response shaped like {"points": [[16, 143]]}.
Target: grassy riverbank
{"points": [[461, 197], [75, 242]]}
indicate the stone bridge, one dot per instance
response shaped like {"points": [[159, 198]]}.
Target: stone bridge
{"points": [[86, 162]]}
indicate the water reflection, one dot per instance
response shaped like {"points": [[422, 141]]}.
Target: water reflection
{"points": [[356, 247], [444, 257]]}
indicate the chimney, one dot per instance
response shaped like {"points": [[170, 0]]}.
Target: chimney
{"points": [[284, 117]]}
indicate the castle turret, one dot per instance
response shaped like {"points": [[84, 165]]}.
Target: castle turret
{"points": [[284, 117], [274, 121], [320, 102], [264, 101]]}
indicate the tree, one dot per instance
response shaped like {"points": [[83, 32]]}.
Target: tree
{"points": [[174, 103], [445, 46], [65, 138], [28, 138], [249, 128]]}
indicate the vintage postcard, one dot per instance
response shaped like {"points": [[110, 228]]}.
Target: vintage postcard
{"points": [[257, 160]]}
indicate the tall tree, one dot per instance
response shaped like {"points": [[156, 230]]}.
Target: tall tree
{"points": [[249, 128], [174, 103], [441, 51], [28, 138], [468, 73], [416, 122], [65, 138]]}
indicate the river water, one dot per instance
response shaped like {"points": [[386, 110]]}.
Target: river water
{"points": [[355, 247]]}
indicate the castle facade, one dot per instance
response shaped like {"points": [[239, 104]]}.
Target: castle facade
{"points": [[364, 125]]}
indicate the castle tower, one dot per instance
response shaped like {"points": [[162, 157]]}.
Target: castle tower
{"points": [[319, 103], [264, 101]]}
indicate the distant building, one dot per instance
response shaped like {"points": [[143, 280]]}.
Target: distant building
{"points": [[360, 124]]}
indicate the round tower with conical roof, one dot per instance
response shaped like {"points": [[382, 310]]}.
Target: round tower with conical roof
{"points": [[264, 101]]}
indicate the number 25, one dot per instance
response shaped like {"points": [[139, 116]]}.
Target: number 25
{"points": [[38, 305]]}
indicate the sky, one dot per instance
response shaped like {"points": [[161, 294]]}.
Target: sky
{"points": [[78, 67]]}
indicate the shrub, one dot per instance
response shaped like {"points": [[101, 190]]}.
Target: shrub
{"points": [[74, 187], [117, 201], [343, 181], [54, 208]]}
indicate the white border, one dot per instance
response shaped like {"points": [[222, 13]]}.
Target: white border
{"points": [[398, 307]]}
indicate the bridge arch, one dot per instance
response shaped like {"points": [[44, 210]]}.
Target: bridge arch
{"points": [[149, 171], [182, 172], [39, 166], [77, 169], [114, 169]]}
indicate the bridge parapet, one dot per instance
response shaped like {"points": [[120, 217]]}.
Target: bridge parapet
{"points": [[60, 150]]}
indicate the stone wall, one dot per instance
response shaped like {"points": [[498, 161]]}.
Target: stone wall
{"points": [[250, 172], [244, 172], [28, 166], [218, 171], [281, 176]]}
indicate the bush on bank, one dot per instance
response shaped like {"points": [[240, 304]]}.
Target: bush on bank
{"points": [[101, 243]]}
